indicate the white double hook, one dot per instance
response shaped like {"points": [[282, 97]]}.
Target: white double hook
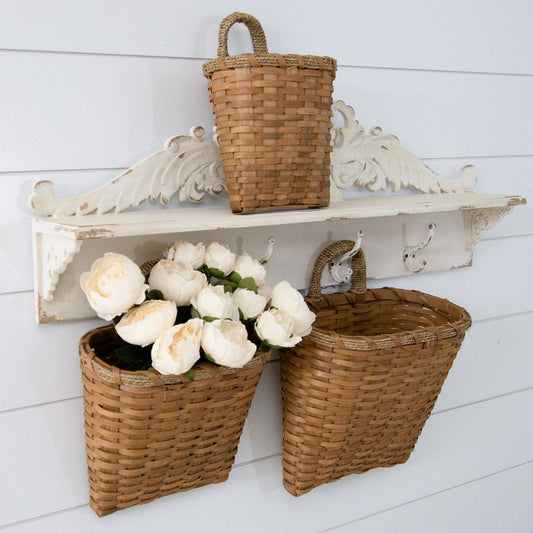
{"points": [[340, 268], [412, 262]]}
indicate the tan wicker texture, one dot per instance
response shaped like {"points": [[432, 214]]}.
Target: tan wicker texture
{"points": [[149, 435], [273, 119], [357, 391]]}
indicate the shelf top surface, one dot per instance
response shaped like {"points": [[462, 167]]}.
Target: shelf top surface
{"points": [[162, 221]]}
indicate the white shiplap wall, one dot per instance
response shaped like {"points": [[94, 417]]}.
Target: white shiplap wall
{"points": [[88, 88]]}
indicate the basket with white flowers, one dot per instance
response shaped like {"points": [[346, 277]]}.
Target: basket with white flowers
{"points": [[168, 386]]}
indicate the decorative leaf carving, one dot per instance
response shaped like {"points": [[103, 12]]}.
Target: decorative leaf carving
{"points": [[191, 166], [188, 164], [377, 160]]}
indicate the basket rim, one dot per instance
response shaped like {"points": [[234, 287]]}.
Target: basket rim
{"points": [[259, 60], [449, 330], [144, 378]]}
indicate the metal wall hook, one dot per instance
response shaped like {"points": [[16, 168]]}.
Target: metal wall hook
{"points": [[340, 268], [412, 262], [270, 249]]}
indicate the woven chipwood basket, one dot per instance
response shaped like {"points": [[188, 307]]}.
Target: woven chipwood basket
{"points": [[148, 435], [273, 119], [357, 391]]}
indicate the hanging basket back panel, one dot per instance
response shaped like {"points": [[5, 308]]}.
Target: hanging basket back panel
{"points": [[149, 435], [358, 390]]}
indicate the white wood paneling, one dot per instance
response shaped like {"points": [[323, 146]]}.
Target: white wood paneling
{"points": [[109, 111], [496, 358], [63, 111], [456, 35], [455, 447], [499, 503], [47, 358]]}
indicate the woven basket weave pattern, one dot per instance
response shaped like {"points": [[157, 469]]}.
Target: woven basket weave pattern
{"points": [[146, 441], [273, 119], [357, 391]]}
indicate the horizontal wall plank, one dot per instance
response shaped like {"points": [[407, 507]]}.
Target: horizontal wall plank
{"points": [[110, 111], [456, 447], [451, 35], [491, 362], [501, 502]]}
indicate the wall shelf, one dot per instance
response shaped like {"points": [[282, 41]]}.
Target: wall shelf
{"points": [[75, 231]]}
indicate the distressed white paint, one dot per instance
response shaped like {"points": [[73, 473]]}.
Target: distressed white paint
{"points": [[376, 161], [385, 245]]}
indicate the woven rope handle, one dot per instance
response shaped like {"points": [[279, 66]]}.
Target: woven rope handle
{"points": [[254, 27], [329, 253]]}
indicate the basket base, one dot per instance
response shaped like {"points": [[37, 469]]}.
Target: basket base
{"points": [[103, 509], [298, 485]]}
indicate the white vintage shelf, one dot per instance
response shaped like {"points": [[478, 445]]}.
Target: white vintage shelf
{"points": [[217, 218], [434, 229]]}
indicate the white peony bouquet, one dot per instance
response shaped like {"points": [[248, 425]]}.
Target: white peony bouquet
{"points": [[199, 301]]}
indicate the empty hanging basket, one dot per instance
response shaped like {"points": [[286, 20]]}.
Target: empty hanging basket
{"points": [[273, 119], [357, 391]]}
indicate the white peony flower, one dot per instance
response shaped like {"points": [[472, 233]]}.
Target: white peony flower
{"points": [[213, 302], [113, 285], [187, 254], [177, 349], [142, 325], [250, 303], [288, 299], [247, 267], [226, 342], [176, 283], [276, 328], [266, 291], [219, 258]]}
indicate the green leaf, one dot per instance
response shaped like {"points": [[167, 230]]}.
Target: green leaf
{"points": [[248, 283], [215, 272], [117, 319], [209, 318], [229, 286], [235, 277], [241, 315], [154, 294], [134, 357], [209, 358], [190, 374]]}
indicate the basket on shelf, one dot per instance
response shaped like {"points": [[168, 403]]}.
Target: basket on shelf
{"points": [[149, 435], [273, 119], [358, 390]]}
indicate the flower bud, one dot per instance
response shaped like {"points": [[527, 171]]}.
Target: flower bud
{"points": [[276, 328], [177, 349], [219, 258], [213, 301], [226, 342], [186, 254], [247, 267], [250, 303], [176, 283], [113, 285], [142, 325], [288, 299]]}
